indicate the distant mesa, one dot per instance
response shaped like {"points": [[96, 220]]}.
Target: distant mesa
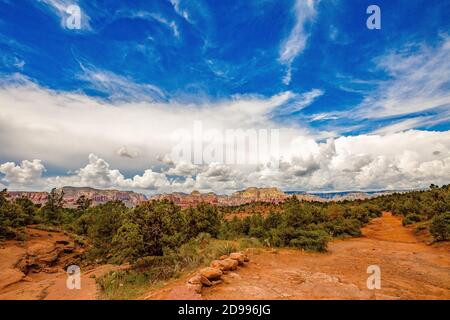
{"points": [[71, 195], [193, 199]]}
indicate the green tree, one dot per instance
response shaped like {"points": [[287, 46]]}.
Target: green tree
{"points": [[83, 203], [105, 220], [52, 210], [128, 242], [440, 226], [203, 218]]}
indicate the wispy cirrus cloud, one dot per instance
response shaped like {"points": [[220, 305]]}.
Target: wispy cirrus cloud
{"points": [[156, 17], [419, 81], [305, 11], [415, 92], [119, 88], [180, 10]]}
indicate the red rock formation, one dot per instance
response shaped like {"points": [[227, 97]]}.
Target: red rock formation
{"points": [[272, 195], [71, 195], [35, 197]]}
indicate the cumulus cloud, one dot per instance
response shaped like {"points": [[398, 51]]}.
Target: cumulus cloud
{"points": [[27, 173], [125, 152], [98, 173], [183, 168], [305, 11], [62, 128], [411, 159]]}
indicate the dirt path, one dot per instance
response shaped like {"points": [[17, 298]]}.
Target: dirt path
{"points": [[47, 254], [409, 269]]}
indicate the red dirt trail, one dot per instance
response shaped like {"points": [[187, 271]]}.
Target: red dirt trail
{"points": [[410, 269]]}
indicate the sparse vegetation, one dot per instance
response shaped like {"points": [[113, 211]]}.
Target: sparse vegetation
{"points": [[161, 240]]}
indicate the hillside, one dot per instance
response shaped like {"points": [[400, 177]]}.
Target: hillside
{"points": [[71, 194]]}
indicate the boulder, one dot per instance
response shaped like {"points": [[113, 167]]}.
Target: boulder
{"points": [[239, 257], [231, 264], [211, 273], [218, 264]]}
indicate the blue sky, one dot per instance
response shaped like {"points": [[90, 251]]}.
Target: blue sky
{"points": [[342, 78]]}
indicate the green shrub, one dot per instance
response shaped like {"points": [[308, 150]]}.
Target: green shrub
{"points": [[411, 218], [341, 227], [440, 227], [310, 240]]}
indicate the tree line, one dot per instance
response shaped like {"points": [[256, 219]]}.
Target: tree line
{"points": [[117, 234]]}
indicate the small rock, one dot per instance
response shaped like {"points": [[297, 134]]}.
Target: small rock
{"points": [[223, 257], [238, 256], [27, 279], [218, 264], [231, 264], [211, 273]]}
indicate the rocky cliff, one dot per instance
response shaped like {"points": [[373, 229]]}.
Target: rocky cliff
{"points": [[272, 195], [71, 194], [185, 200]]}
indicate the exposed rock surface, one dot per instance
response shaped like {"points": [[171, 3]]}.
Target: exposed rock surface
{"points": [[132, 199], [35, 269], [211, 273], [71, 195], [248, 195]]}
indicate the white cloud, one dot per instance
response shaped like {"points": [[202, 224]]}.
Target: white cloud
{"points": [[61, 129], [301, 101], [419, 81], [157, 17], [411, 159], [183, 168], [125, 152], [97, 173], [180, 11], [119, 87], [305, 12], [27, 173]]}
